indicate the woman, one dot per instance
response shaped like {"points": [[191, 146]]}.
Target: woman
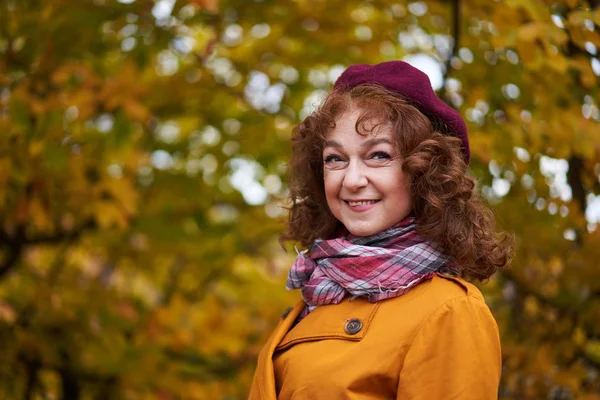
{"points": [[393, 228]]}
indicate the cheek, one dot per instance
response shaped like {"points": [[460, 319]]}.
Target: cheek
{"points": [[398, 186], [328, 183], [331, 184], [404, 190]]}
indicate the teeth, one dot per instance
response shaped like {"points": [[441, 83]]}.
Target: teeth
{"points": [[361, 203]]}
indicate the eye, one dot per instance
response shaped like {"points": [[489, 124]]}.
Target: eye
{"points": [[334, 162], [332, 158], [380, 155]]}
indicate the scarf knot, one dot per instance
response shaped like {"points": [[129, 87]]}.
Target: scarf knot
{"points": [[377, 267]]}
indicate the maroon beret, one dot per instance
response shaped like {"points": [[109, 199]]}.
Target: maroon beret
{"points": [[403, 78]]}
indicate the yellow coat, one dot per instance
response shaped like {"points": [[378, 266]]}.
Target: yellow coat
{"points": [[438, 341]]}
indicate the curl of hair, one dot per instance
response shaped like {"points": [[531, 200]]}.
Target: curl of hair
{"points": [[447, 206]]}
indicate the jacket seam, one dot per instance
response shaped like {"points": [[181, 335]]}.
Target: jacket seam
{"points": [[434, 312], [410, 342]]}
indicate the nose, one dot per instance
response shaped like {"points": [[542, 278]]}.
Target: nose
{"points": [[355, 177]]}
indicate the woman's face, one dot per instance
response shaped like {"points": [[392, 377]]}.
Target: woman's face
{"points": [[365, 187]]}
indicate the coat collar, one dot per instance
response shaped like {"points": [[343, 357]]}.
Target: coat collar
{"points": [[325, 322], [264, 375]]}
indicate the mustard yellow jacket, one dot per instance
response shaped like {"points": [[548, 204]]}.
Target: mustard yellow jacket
{"points": [[439, 341]]}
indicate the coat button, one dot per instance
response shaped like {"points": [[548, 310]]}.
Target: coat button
{"points": [[353, 326]]}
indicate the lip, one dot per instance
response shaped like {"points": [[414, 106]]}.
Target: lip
{"points": [[362, 208]]}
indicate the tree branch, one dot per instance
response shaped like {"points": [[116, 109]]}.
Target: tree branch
{"points": [[175, 271], [31, 372], [14, 248], [16, 243], [455, 36], [14, 253], [70, 385], [575, 180]]}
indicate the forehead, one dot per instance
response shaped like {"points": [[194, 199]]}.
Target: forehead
{"points": [[349, 128]]}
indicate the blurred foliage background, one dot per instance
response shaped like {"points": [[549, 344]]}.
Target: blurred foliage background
{"points": [[142, 177]]}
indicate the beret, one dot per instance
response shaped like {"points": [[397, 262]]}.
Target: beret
{"points": [[403, 78]]}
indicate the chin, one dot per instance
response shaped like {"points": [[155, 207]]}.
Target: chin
{"points": [[363, 230]]}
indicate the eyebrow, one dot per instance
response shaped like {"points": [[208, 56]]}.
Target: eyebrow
{"points": [[367, 143]]}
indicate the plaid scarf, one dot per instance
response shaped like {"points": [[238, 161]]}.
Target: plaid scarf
{"points": [[378, 267]]}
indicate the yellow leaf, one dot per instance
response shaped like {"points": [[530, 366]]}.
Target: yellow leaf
{"points": [[39, 214], [108, 215], [481, 146], [35, 148], [555, 266], [531, 31], [529, 53], [135, 110], [123, 192], [558, 62], [596, 16], [579, 337], [577, 18], [531, 305]]}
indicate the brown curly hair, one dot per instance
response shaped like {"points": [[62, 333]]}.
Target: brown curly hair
{"points": [[447, 207]]}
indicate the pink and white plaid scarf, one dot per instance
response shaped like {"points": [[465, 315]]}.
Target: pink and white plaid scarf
{"points": [[378, 267]]}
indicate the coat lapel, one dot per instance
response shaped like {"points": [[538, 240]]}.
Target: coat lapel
{"points": [[263, 387]]}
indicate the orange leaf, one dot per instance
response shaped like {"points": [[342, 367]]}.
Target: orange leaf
{"points": [[211, 5]]}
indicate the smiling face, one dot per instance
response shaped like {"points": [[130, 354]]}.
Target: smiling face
{"points": [[365, 187]]}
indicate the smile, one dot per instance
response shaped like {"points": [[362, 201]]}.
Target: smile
{"points": [[361, 203]]}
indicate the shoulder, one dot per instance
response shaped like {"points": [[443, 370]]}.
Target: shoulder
{"points": [[442, 294], [453, 296], [447, 287], [454, 350], [440, 289]]}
